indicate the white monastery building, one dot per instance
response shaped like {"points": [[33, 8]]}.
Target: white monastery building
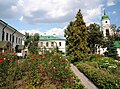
{"points": [[50, 42], [10, 38]]}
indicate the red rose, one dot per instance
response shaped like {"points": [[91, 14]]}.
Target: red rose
{"points": [[41, 56], [69, 77], [14, 52], [32, 58], [61, 61], [55, 68], [0, 60], [15, 59]]}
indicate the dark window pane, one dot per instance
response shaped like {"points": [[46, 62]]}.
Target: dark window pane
{"points": [[59, 43], [6, 36], [107, 32]]}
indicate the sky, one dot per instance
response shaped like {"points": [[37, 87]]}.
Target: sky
{"points": [[48, 17]]}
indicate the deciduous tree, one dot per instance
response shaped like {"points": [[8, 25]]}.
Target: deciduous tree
{"points": [[96, 38]]}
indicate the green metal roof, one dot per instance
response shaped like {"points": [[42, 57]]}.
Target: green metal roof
{"points": [[117, 44], [50, 38], [105, 17]]}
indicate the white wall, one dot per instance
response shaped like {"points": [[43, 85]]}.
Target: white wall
{"points": [[1, 28], [56, 42], [62, 47], [106, 26], [10, 30], [102, 50], [104, 22], [118, 51], [16, 34]]}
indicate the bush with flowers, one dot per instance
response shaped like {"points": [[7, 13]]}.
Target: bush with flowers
{"points": [[51, 67], [49, 70], [8, 63]]}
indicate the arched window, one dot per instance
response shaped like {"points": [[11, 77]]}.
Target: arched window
{"points": [[47, 44], [107, 32]]}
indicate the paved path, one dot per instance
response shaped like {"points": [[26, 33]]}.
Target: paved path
{"points": [[84, 80]]}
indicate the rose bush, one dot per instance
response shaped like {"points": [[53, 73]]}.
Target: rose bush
{"points": [[36, 71], [52, 67], [8, 62]]}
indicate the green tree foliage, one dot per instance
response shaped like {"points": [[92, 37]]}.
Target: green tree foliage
{"points": [[76, 38], [27, 39], [116, 31], [31, 41], [36, 37], [112, 50], [96, 38]]}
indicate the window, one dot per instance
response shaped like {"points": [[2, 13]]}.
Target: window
{"points": [[52, 43], [3, 33], [10, 37], [6, 36], [19, 40], [46, 44], [59, 43], [16, 40], [107, 32], [41, 44], [13, 39]]}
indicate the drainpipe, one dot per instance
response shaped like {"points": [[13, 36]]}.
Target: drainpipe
{"points": [[3, 32], [12, 37]]}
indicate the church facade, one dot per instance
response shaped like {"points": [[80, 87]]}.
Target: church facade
{"points": [[106, 29]]}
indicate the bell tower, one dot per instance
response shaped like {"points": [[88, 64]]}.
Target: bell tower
{"points": [[106, 28]]}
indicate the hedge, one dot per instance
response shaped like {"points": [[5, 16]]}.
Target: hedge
{"points": [[102, 79]]}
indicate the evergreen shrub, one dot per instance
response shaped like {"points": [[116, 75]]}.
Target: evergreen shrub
{"points": [[102, 79]]}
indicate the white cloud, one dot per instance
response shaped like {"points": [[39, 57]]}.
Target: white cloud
{"points": [[57, 31], [110, 2], [21, 18], [114, 12], [49, 11], [92, 15], [31, 32]]}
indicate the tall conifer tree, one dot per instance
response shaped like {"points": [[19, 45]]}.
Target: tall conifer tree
{"points": [[76, 38], [112, 50]]}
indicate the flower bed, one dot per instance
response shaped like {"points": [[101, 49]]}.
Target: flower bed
{"points": [[102, 79], [37, 71]]}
